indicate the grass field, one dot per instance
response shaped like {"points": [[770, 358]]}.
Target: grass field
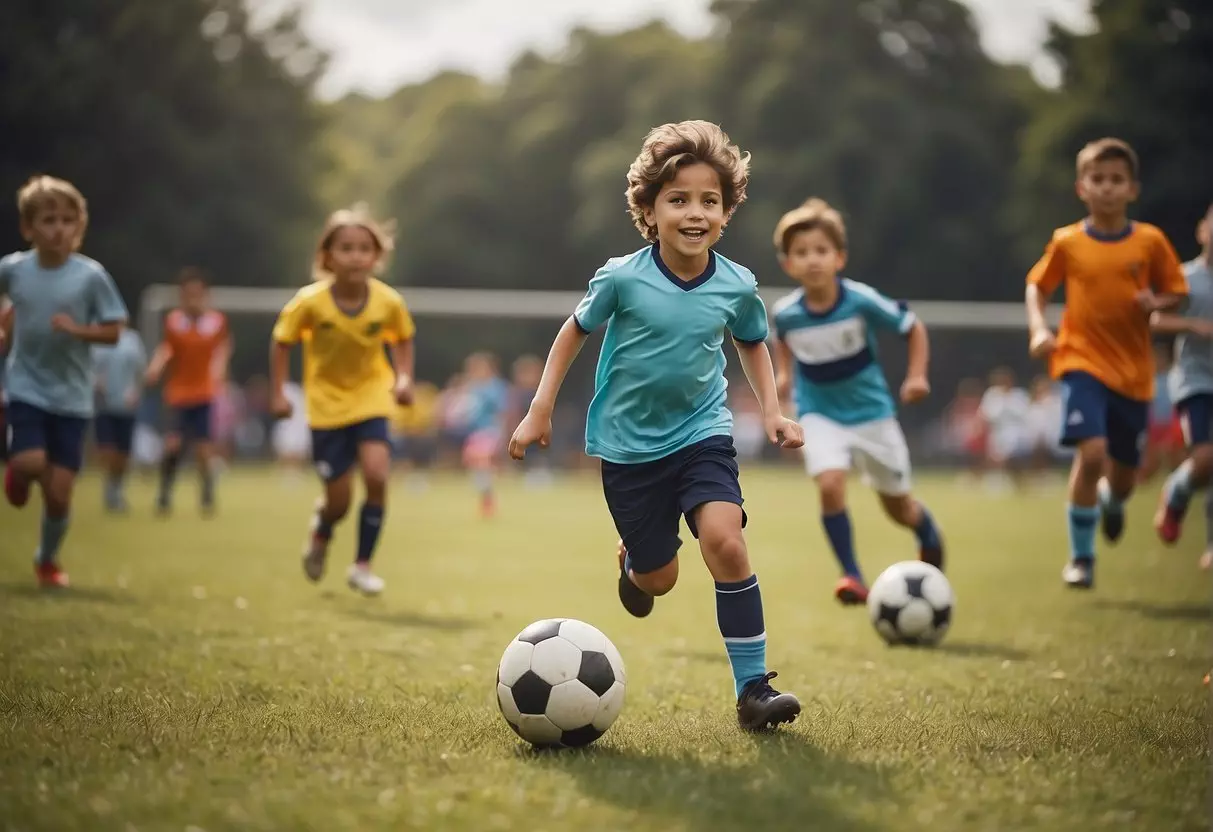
{"points": [[192, 679]]}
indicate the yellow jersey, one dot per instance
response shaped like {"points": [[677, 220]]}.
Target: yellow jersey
{"points": [[347, 377]]}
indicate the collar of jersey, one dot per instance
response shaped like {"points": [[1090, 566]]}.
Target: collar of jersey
{"points": [[1103, 236], [348, 313], [804, 301], [685, 285]]}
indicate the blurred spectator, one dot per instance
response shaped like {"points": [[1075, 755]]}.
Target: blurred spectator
{"points": [[1004, 407]]}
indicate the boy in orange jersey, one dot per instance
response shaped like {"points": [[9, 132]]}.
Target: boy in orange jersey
{"points": [[1116, 273], [195, 351]]}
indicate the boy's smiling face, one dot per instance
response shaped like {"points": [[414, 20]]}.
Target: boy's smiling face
{"points": [[689, 211]]}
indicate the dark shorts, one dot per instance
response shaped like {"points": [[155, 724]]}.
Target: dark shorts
{"points": [[34, 429], [192, 424], [114, 430], [1196, 418], [335, 450], [646, 499], [1092, 411]]}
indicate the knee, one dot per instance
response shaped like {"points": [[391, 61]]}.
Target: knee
{"points": [[658, 582], [832, 487], [30, 465], [726, 553], [376, 487]]}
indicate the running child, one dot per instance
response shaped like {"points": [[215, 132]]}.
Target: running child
{"points": [[195, 354], [1116, 272], [344, 319], [658, 419], [62, 303], [487, 400], [119, 370], [826, 349]]}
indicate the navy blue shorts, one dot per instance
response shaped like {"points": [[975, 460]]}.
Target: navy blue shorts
{"points": [[1196, 418], [646, 499], [192, 424], [1090, 411], [335, 450], [114, 430], [34, 429]]}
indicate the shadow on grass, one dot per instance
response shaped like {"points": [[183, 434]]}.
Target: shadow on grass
{"points": [[978, 650], [412, 618], [89, 594], [1161, 612], [791, 785]]}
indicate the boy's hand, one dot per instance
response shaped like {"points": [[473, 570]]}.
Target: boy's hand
{"points": [[535, 427], [1201, 328], [914, 389], [280, 407], [403, 391], [63, 322], [1042, 343], [1147, 300], [784, 432]]}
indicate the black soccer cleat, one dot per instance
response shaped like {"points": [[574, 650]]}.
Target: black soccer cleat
{"points": [[760, 706], [1079, 573], [1112, 524], [634, 599]]}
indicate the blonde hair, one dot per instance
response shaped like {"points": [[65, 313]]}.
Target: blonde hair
{"points": [[41, 192], [356, 216], [672, 146], [814, 213], [1106, 150]]}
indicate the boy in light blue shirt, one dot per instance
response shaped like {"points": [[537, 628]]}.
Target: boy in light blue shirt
{"points": [[119, 369], [1190, 383], [62, 302], [658, 420], [826, 348]]}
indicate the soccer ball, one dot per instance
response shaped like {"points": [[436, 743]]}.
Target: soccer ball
{"points": [[560, 683], [911, 603]]}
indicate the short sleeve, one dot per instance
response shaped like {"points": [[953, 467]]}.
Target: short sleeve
{"points": [[293, 321], [400, 323], [1050, 270], [883, 312], [600, 301], [749, 324], [1166, 272], [107, 305]]}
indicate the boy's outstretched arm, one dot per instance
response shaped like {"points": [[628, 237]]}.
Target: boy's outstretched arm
{"points": [[280, 366], [916, 387], [536, 426], [756, 362], [1041, 341]]}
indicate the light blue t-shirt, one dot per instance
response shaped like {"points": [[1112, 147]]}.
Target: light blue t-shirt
{"points": [[1192, 372], [660, 383], [486, 404], [119, 369], [48, 369], [836, 373]]}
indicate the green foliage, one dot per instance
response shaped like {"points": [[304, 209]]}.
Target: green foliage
{"points": [[1145, 76], [193, 137]]}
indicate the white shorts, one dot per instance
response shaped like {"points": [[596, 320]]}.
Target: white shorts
{"points": [[877, 450]]}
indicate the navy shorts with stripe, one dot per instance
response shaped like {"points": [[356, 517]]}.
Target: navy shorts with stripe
{"points": [[114, 430], [335, 450], [61, 437], [192, 423], [1091, 410], [647, 499], [1196, 419]]}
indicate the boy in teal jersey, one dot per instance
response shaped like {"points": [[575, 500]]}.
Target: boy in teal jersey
{"points": [[826, 349], [62, 303], [658, 420]]}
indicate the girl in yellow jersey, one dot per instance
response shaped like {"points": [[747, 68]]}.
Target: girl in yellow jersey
{"points": [[344, 319]]}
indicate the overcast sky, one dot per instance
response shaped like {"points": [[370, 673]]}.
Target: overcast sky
{"points": [[376, 45]]}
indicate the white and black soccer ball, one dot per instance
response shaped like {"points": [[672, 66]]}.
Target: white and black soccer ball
{"points": [[560, 683], [911, 603]]}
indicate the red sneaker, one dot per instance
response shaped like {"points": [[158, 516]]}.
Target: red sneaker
{"points": [[16, 489], [850, 591], [50, 576], [1168, 522]]}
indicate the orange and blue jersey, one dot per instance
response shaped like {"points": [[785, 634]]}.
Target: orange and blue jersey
{"points": [[1104, 331]]}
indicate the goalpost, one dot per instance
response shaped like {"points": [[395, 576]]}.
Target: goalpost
{"points": [[538, 304]]}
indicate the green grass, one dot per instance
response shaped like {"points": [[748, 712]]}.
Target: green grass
{"points": [[193, 678]]}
